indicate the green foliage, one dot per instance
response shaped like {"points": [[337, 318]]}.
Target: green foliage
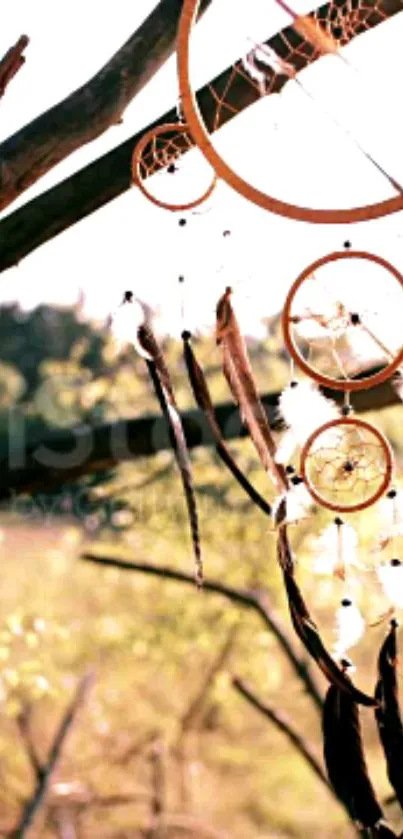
{"points": [[153, 642]]}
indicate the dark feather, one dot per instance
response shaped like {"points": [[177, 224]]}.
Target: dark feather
{"points": [[345, 759], [387, 714], [308, 632], [203, 400], [163, 388]]}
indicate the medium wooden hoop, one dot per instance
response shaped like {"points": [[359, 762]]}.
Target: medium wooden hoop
{"points": [[136, 163], [224, 171], [346, 508], [327, 381]]}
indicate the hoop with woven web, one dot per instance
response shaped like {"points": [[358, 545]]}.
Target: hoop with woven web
{"points": [[157, 153], [336, 324], [235, 89], [347, 465]]}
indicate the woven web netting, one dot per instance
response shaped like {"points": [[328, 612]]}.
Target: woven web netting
{"points": [[307, 145]]}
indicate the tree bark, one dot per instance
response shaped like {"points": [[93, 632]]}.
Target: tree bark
{"points": [[12, 62], [109, 176], [89, 111]]}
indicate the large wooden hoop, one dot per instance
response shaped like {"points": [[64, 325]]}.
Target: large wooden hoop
{"points": [[176, 128], [286, 322], [224, 171], [387, 477]]}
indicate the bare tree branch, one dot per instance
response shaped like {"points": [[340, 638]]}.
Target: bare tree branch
{"points": [[281, 721], [287, 727], [93, 108], [44, 773], [103, 180], [257, 601], [64, 455], [11, 63]]}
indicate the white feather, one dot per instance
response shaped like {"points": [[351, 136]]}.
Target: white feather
{"points": [[336, 547], [286, 448], [126, 321], [391, 509], [297, 504], [303, 409], [390, 576], [350, 627]]}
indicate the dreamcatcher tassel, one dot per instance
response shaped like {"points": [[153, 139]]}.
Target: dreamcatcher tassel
{"points": [[350, 627], [303, 409], [144, 341], [294, 505], [388, 716], [390, 576], [336, 549]]}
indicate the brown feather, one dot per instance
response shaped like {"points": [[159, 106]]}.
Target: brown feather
{"points": [[161, 379], [203, 400], [387, 714], [308, 633], [238, 372], [345, 759]]}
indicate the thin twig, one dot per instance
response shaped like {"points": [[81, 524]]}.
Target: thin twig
{"points": [[286, 726], [258, 601], [12, 62], [295, 737], [44, 773]]}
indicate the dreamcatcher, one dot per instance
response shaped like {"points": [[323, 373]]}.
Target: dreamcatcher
{"points": [[338, 334]]}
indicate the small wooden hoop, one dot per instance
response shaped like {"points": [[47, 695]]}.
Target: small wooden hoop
{"points": [[176, 128], [327, 381], [346, 508], [267, 202]]}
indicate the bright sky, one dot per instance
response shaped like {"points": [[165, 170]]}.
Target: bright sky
{"points": [[284, 145]]}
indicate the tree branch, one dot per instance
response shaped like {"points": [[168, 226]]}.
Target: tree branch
{"points": [[64, 455], [285, 725], [93, 108], [44, 774], [95, 185], [11, 63], [257, 601]]}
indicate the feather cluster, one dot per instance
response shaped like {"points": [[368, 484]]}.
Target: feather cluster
{"points": [[144, 341], [303, 409], [387, 714], [335, 550], [345, 761]]}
